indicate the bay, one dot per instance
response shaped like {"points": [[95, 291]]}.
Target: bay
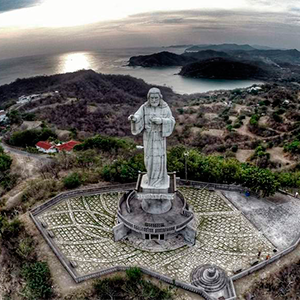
{"points": [[112, 61]]}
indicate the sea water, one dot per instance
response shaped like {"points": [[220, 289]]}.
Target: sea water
{"points": [[112, 61]]}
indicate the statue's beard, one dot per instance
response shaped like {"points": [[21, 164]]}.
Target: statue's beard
{"points": [[154, 104]]}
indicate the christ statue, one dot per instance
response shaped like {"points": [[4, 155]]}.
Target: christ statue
{"points": [[154, 119]]}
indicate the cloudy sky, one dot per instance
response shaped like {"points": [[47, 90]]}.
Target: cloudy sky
{"points": [[30, 27]]}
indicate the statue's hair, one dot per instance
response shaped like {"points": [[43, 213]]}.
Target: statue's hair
{"points": [[154, 91]]}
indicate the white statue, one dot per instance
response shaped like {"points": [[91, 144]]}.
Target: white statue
{"points": [[154, 118]]}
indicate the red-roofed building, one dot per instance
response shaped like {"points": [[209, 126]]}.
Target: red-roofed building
{"points": [[68, 146], [45, 147]]}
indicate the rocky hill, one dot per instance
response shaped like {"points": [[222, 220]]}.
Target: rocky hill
{"points": [[165, 58], [220, 47], [220, 68], [85, 84], [86, 100], [277, 64]]}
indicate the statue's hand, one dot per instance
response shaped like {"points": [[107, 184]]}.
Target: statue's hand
{"points": [[132, 118], [156, 121]]}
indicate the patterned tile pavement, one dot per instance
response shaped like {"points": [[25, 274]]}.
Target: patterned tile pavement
{"points": [[82, 228]]}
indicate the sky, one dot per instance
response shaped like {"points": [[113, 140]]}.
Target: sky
{"points": [[29, 27]]}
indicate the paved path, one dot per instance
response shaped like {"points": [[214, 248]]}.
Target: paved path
{"points": [[82, 228], [40, 157]]}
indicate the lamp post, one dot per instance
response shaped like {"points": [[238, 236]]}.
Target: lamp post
{"points": [[186, 154]]}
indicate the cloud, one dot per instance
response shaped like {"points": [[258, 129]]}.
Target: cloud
{"points": [[277, 29], [7, 5]]}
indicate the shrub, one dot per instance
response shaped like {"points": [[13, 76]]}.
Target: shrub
{"points": [[9, 229], [105, 144], [38, 280], [72, 181], [109, 288], [38, 189], [28, 116], [5, 162], [122, 170], [229, 127], [234, 148], [180, 110], [289, 179], [14, 117], [293, 147], [28, 138], [134, 274], [133, 286], [237, 125], [254, 120], [276, 117], [25, 248], [32, 150]]}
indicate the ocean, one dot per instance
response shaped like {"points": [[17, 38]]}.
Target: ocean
{"points": [[112, 61]]}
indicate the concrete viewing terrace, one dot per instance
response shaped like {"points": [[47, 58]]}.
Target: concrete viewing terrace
{"points": [[78, 227]]}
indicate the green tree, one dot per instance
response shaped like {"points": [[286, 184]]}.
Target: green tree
{"points": [[72, 181], [259, 180], [122, 170], [28, 138], [105, 144], [14, 117]]}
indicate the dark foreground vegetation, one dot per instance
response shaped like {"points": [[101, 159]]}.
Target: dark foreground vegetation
{"points": [[21, 271], [7, 179], [282, 285], [133, 286]]}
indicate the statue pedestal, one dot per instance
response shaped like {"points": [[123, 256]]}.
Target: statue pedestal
{"points": [[163, 189], [155, 200], [155, 216], [156, 203]]}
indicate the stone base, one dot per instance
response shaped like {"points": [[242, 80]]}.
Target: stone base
{"points": [[158, 219], [173, 243], [153, 189], [156, 206], [120, 231]]}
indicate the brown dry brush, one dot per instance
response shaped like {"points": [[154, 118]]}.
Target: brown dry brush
{"points": [[17, 255], [282, 285]]}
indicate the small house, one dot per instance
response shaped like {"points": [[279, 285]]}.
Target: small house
{"points": [[45, 147], [68, 146]]}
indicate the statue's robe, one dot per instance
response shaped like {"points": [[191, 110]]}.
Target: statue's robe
{"points": [[154, 137]]}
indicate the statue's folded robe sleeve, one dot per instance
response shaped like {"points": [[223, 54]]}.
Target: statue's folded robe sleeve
{"points": [[168, 124], [138, 126]]}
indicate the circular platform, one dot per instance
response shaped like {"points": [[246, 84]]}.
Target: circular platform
{"points": [[209, 277], [136, 218]]}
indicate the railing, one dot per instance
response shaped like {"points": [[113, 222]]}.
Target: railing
{"points": [[82, 192], [263, 264], [220, 186]]}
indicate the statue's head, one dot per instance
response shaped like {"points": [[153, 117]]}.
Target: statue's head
{"points": [[154, 97]]}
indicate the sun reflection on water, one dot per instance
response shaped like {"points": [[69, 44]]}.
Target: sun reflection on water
{"points": [[71, 62]]}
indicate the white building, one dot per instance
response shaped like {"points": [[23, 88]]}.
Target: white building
{"points": [[3, 116]]}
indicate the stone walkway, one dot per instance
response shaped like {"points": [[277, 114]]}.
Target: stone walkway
{"points": [[82, 228]]}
